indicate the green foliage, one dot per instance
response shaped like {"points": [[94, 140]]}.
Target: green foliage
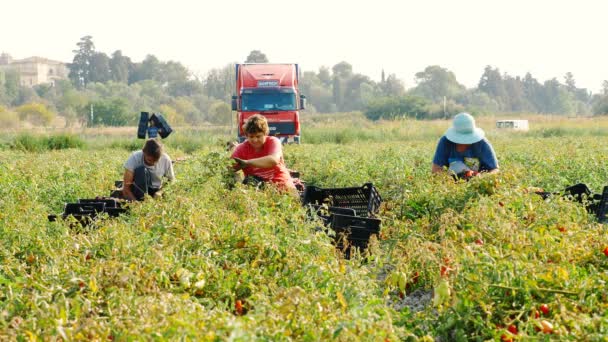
{"points": [[80, 68], [36, 113], [600, 105], [33, 143], [256, 56], [389, 108], [435, 83], [8, 118], [181, 267], [220, 113], [111, 112]]}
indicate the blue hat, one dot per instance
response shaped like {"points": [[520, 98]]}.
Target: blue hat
{"points": [[463, 130]]}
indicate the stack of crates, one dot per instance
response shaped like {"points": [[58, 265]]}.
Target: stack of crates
{"points": [[349, 212], [85, 211]]}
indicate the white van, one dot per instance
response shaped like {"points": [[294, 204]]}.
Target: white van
{"points": [[518, 125]]}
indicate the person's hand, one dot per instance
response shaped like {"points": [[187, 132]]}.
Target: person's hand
{"points": [[470, 174], [241, 163], [158, 194]]}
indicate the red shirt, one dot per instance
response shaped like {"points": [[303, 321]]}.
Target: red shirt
{"points": [[277, 174]]}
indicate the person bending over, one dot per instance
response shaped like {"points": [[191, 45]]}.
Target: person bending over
{"points": [[464, 150], [260, 156], [144, 171]]}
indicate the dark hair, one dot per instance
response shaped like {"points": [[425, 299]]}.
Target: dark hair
{"points": [[256, 124], [153, 148]]}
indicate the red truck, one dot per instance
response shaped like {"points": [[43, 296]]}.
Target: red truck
{"points": [[272, 91]]}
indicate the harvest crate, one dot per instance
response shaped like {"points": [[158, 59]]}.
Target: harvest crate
{"points": [[365, 200], [86, 210], [602, 206], [353, 231]]}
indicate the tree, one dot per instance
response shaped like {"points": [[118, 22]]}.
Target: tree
{"points": [[219, 113], [342, 72], [119, 67], [8, 119], [12, 87], [110, 112], [515, 94], [74, 106], [436, 82], [355, 88], [256, 56], [325, 76], [100, 68], [219, 83], [80, 68], [171, 115], [392, 86], [570, 82], [36, 113], [533, 91], [491, 83], [556, 98], [149, 69], [389, 108]]}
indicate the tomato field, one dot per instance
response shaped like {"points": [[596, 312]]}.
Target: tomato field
{"points": [[486, 259]]}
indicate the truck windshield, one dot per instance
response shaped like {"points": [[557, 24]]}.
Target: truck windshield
{"points": [[268, 101]]}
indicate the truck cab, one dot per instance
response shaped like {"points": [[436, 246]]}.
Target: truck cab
{"points": [[272, 91]]}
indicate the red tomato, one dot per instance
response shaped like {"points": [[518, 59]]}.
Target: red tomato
{"points": [[606, 251], [238, 307], [445, 271], [512, 329], [535, 313], [547, 327], [544, 309], [479, 241], [506, 338]]}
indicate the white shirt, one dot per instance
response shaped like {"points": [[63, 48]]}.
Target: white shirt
{"points": [[163, 167]]}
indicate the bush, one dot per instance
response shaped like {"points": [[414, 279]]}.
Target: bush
{"points": [[113, 112], [63, 141], [389, 108], [32, 143], [8, 119], [36, 113]]}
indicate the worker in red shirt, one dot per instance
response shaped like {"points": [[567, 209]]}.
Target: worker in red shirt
{"points": [[261, 156]]}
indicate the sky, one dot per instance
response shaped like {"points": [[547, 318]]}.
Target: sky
{"points": [[543, 37]]}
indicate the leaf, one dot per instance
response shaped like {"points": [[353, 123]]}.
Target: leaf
{"points": [[341, 300]]}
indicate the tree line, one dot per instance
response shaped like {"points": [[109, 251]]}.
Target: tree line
{"points": [[111, 89]]}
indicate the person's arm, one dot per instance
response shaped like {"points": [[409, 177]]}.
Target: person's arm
{"points": [[488, 157], [436, 168], [262, 162], [127, 182], [169, 173], [274, 150], [441, 156]]}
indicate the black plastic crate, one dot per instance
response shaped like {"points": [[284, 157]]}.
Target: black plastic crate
{"points": [[325, 212], [365, 200], [359, 226], [353, 232], [142, 128], [602, 206], [109, 202], [83, 208]]}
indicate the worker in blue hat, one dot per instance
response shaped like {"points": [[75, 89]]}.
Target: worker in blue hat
{"points": [[463, 150]]}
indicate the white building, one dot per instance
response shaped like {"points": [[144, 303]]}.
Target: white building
{"points": [[35, 70]]}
